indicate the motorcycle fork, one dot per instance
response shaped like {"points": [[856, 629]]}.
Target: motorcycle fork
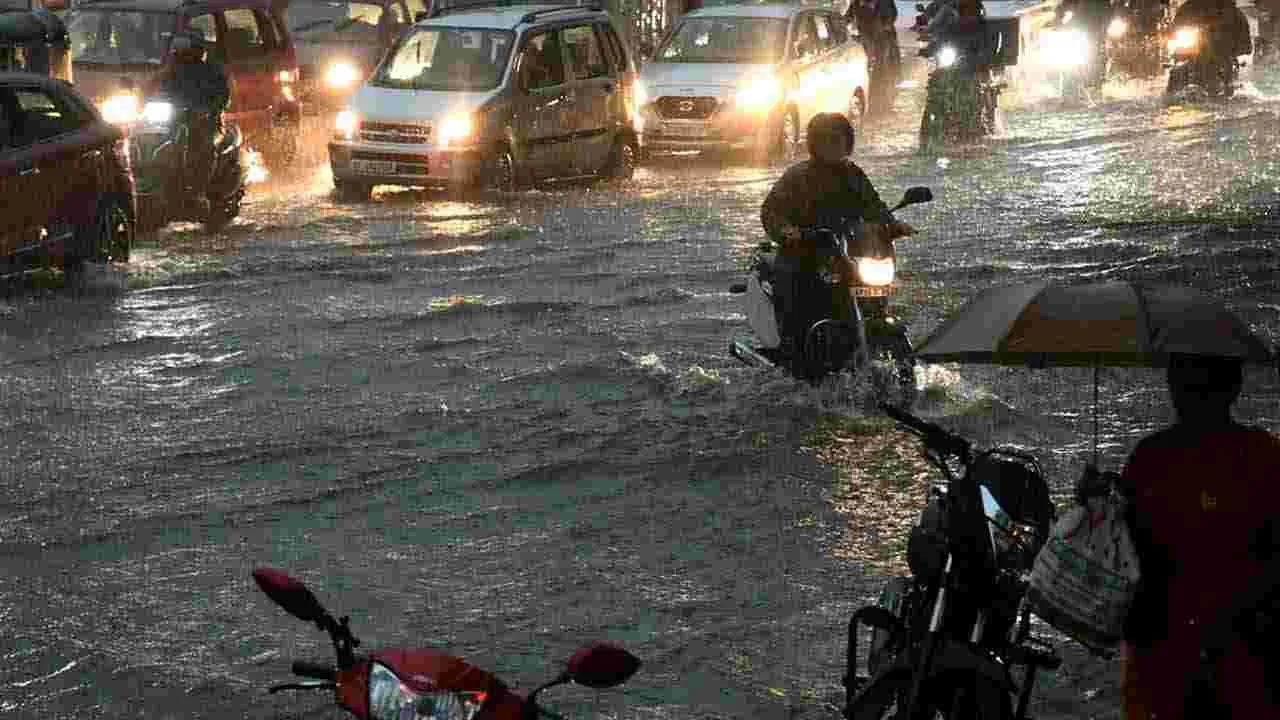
{"points": [[936, 618]]}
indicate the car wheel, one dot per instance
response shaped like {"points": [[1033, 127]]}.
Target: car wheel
{"points": [[621, 164], [108, 239], [351, 191]]}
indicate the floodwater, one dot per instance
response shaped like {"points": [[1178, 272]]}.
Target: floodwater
{"points": [[505, 425]]}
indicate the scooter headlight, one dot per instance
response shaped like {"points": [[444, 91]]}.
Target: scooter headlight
{"points": [[947, 56], [157, 113], [1185, 38], [391, 699], [876, 272], [120, 109]]}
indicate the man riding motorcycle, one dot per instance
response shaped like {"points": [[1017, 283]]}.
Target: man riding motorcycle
{"points": [[1225, 34], [193, 83], [830, 191]]}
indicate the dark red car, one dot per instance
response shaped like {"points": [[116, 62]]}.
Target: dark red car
{"points": [[118, 48], [64, 178]]}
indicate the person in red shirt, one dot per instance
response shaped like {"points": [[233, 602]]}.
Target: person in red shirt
{"points": [[1201, 498]]}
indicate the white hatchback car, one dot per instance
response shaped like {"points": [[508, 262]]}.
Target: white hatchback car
{"points": [[751, 76]]}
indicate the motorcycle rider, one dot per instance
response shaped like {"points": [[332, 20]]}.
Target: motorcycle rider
{"points": [[194, 83], [827, 190], [1225, 29]]}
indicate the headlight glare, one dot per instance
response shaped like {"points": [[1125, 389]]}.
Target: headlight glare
{"points": [[345, 124], [120, 109], [759, 93], [876, 272], [341, 75], [157, 113], [1118, 27], [1066, 48], [457, 129], [1186, 38], [947, 56]]}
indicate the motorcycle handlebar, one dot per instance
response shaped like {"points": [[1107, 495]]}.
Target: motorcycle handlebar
{"points": [[319, 671]]}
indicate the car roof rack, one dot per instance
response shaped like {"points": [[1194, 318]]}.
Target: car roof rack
{"points": [[441, 7]]}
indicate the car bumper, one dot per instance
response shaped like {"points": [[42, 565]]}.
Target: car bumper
{"points": [[391, 164], [723, 130]]}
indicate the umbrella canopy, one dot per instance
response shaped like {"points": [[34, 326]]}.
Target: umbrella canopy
{"points": [[1111, 324]]}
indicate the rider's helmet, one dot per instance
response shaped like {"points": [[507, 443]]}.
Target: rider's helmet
{"points": [[188, 47], [829, 124]]}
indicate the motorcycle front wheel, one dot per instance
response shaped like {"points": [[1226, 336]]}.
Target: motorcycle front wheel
{"points": [[948, 696]]}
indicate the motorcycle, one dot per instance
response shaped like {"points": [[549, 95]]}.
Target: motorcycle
{"points": [[1192, 68], [831, 346], [945, 639], [163, 145], [966, 77], [1133, 40], [391, 684]]}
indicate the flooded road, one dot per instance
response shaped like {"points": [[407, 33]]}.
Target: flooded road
{"points": [[507, 424]]}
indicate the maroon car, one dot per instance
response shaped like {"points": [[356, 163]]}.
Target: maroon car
{"points": [[118, 48], [64, 178]]}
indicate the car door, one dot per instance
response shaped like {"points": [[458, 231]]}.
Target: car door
{"points": [[543, 94], [848, 64], [595, 90], [59, 158], [21, 222], [804, 58], [249, 63]]}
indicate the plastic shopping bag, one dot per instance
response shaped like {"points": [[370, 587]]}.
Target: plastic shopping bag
{"points": [[1086, 575]]}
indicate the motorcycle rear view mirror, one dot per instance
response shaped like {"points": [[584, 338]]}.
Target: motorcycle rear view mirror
{"points": [[602, 665], [290, 594], [920, 7], [915, 195]]}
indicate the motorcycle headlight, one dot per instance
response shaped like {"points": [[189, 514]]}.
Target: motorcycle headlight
{"points": [[341, 75], [947, 56], [120, 109], [457, 129], [1117, 28], [1186, 38], [1066, 48], [760, 93], [345, 125], [876, 272], [157, 113], [391, 699]]}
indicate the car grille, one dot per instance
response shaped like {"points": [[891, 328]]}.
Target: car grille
{"points": [[395, 133], [687, 108], [406, 165]]}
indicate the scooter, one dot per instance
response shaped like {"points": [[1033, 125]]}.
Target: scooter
{"points": [[396, 683], [163, 146], [831, 346]]}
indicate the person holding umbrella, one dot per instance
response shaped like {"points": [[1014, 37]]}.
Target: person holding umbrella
{"points": [[1201, 494]]}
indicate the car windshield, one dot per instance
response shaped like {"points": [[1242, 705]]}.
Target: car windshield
{"points": [[332, 15], [119, 37], [725, 40], [447, 58]]}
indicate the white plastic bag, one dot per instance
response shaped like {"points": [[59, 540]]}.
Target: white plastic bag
{"points": [[1086, 575]]}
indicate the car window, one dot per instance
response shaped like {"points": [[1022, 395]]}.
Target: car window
{"points": [[415, 7], [724, 40], [839, 29], [613, 49], [542, 64], [585, 55], [207, 26], [447, 58], [244, 39], [119, 37], [805, 44], [40, 116], [825, 39], [268, 30], [397, 13], [6, 127]]}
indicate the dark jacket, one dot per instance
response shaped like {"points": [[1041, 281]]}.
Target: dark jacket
{"points": [[198, 86], [813, 195]]}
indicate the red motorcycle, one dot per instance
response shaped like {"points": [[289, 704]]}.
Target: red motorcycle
{"points": [[421, 684]]}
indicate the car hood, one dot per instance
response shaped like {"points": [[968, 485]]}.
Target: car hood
{"points": [[380, 104], [691, 78]]}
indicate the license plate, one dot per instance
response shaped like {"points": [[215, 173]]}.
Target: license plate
{"points": [[374, 167], [865, 291], [680, 130]]}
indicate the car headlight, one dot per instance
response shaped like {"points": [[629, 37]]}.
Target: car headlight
{"points": [[876, 272], [120, 109], [759, 93], [346, 124], [1066, 48], [157, 113], [1185, 38], [390, 699], [1117, 28], [341, 75], [457, 129], [947, 56]]}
